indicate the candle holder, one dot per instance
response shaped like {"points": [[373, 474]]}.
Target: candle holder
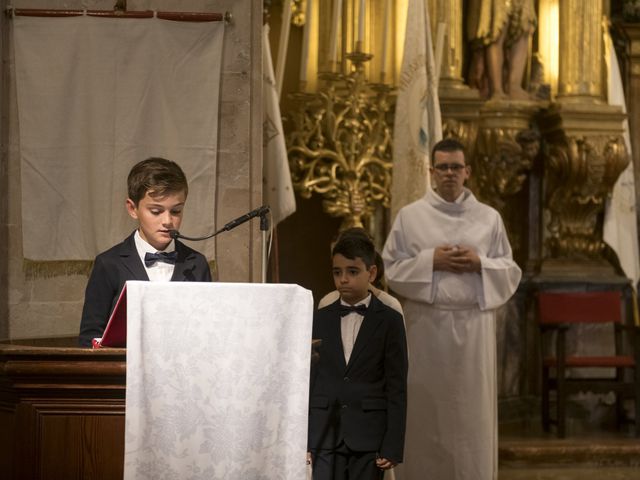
{"points": [[340, 143], [298, 12]]}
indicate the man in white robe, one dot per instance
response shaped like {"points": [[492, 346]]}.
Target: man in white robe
{"points": [[449, 256]]}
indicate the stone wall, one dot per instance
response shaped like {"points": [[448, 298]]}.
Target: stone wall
{"points": [[35, 305]]}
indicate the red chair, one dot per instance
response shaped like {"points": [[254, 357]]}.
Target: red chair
{"points": [[560, 311]]}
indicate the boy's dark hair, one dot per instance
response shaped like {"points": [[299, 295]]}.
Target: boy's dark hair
{"points": [[356, 246], [354, 232], [447, 145], [156, 176]]}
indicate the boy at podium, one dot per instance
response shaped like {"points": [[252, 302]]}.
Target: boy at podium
{"points": [[157, 191], [358, 394]]}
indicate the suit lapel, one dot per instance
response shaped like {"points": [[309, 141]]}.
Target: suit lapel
{"points": [[131, 260], [185, 264], [335, 329], [369, 325]]}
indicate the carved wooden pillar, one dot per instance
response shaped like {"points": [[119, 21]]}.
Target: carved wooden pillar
{"points": [[586, 151]]}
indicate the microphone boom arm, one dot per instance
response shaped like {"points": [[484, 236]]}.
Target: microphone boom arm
{"points": [[260, 211]]}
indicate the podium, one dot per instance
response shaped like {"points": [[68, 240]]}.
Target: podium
{"points": [[216, 384], [62, 410]]}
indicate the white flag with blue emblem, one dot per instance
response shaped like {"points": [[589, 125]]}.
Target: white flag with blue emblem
{"points": [[418, 124]]}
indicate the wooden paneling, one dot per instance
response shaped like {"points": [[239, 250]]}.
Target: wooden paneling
{"points": [[62, 412], [93, 446]]}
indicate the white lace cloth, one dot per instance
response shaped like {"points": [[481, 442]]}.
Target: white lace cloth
{"points": [[217, 381]]}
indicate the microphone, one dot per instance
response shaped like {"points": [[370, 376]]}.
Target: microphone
{"points": [[258, 212], [263, 210]]}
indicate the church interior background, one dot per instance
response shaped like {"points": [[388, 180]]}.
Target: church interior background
{"points": [[547, 158], [547, 152]]}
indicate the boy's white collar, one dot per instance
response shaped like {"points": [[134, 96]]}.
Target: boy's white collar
{"points": [[365, 301], [145, 247]]}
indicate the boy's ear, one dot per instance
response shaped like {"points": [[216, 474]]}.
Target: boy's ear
{"points": [[373, 272], [132, 209]]}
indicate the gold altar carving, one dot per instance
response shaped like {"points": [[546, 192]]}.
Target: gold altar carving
{"points": [[463, 131], [581, 172], [586, 152], [298, 9], [340, 144], [499, 33], [499, 163]]}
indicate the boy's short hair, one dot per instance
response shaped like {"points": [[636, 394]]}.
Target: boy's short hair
{"points": [[354, 232], [157, 177], [447, 145], [356, 246]]}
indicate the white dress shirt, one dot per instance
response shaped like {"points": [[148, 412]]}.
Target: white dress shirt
{"points": [[350, 326], [159, 271]]}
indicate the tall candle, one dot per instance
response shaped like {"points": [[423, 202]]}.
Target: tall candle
{"points": [[333, 40], [439, 48], [360, 37], [282, 46], [304, 60], [385, 35]]}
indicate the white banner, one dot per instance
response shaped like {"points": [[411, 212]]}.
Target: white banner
{"points": [[418, 124], [97, 95], [620, 230], [217, 381], [278, 191]]}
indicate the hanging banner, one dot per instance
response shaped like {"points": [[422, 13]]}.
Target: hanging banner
{"points": [[96, 96]]}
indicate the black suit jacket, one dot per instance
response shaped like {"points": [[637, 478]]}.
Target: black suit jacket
{"points": [[363, 402], [119, 264]]}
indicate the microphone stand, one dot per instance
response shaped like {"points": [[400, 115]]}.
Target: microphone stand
{"points": [[264, 228]]}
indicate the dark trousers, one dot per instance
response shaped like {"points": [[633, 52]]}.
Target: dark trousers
{"points": [[342, 463]]}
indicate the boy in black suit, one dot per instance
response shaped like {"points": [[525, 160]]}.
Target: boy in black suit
{"points": [[358, 397], [157, 191]]}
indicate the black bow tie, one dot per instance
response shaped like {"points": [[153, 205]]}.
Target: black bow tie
{"points": [[347, 309], [167, 257]]}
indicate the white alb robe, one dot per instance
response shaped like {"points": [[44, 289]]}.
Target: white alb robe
{"points": [[450, 318]]}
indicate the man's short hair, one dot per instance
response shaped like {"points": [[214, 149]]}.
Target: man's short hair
{"points": [[446, 145], [356, 246], [157, 177]]}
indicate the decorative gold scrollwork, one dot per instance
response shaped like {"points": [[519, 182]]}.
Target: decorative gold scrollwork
{"points": [[340, 144], [464, 131], [298, 12], [501, 164], [580, 174]]}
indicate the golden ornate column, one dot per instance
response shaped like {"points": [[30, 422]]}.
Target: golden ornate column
{"points": [[452, 84], [586, 151], [449, 12], [459, 104], [580, 75]]}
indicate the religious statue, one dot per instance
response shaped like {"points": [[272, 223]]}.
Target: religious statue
{"points": [[499, 31]]}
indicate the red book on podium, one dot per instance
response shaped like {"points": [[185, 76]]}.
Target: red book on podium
{"points": [[115, 335]]}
